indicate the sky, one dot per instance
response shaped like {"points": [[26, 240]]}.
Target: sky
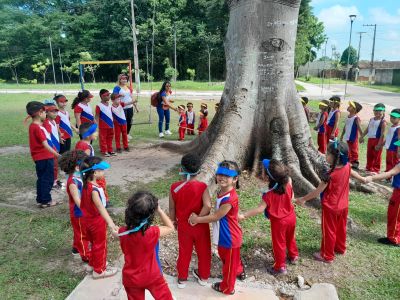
{"points": [[385, 13]]}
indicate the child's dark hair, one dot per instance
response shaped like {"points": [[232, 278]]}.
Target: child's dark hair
{"points": [[69, 160], [280, 174], [87, 163], [191, 163], [327, 107], [58, 96], [102, 91], [358, 107], [205, 113], [81, 96], [231, 165], [340, 152], [84, 127], [305, 99], [141, 205]]}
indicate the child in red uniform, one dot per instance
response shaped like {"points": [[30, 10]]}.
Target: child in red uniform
{"points": [[277, 205], [52, 128], [334, 189], [304, 102], [376, 138], [63, 121], [393, 213], [82, 110], [321, 125], [106, 124], [95, 216], [182, 122], [186, 197], [203, 119], [139, 243], [351, 131], [190, 118], [42, 153], [120, 124], [227, 233], [393, 135], [332, 126], [69, 163]]}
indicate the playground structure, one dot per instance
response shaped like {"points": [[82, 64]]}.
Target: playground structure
{"points": [[111, 62]]}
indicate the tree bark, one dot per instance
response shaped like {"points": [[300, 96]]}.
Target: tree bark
{"points": [[260, 115]]}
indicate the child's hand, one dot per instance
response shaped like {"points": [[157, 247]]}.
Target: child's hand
{"points": [[361, 140], [241, 217], [114, 230], [368, 179], [316, 128], [299, 202], [378, 147], [193, 219]]}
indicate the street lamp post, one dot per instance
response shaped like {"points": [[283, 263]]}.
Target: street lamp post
{"points": [[352, 18]]}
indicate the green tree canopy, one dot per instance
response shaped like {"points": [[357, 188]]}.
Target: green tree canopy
{"points": [[352, 58]]}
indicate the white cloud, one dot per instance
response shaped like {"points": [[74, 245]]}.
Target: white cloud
{"points": [[392, 35], [380, 16], [337, 16]]}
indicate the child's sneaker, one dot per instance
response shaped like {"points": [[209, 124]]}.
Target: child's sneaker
{"points": [[199, 280], [75, 252], [294, 260], [167, 132], [317, 256], [129, 137], [106, 154], [119, 151], [113, 154], [127, 149], [108, 272], [280, 271], [181, 283], [161, 135]]}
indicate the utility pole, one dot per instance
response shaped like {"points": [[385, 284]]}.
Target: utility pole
{"points": [[358, 54], [152, 46], [52, 61], [175, 55], [352, 18], [308, 65], [323, 69], [135, 51], [333, 47], [209, 64], [371, 69], [61, 67]]}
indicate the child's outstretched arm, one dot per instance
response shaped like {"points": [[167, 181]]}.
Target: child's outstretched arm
{"points": [[254, 211], [385, 175], [103, 212], [171, 208], [205, 210], [363, 134], [358, 123], [382, 140], [219, 214], [168, 225], [357, 176], [312, 195]]}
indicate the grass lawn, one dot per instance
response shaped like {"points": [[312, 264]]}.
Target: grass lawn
{"points": [[180, 85], [35, 260], [318, 80], [383, 87]]}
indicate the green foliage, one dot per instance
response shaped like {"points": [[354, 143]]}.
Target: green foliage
{"points": [[352, 58], [41, 68], [191, 73], [170, 73]]}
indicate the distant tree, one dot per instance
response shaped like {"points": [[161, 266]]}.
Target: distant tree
{"points": [[191, 73], [12, 63], [352, 59], [41, 68], [86, 56]]}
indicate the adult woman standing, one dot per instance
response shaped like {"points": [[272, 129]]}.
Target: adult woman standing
{"points": [[164, 104], [126, 97]]}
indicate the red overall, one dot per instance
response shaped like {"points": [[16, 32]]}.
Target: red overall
{"points": [[283, 225], [106, 128], [96, 229], [188, 200], [141, 270], [182, 126], [321, 140], [335, 207], [190, 126], [120, 130], [229, 242], [80, 241], [391, 159], [203, 125], [393, 214], [353, 150], [374, 157]]}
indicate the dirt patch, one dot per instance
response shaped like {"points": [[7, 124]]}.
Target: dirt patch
{"points": [[14, 150]]}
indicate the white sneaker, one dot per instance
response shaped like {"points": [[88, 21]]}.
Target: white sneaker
{"points": [[107, 273], [199, 280], [181, 284], [129, 137], [161, 135], [89, 268], [167, 132]]}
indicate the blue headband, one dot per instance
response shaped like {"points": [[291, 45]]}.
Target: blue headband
{"points": [[344, 159], [136, 229], [100, 166], [92, 129], [266, 163], [226, 172], [188, 175]]}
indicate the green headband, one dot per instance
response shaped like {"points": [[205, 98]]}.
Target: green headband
{"points": [[379, 109], [395, 114]]}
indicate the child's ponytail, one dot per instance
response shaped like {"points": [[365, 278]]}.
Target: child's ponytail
{"points": [[278, 174], [78, 99], [69, 160], [340, 152], [85, 166]]}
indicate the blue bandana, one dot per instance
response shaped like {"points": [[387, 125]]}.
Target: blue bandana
{"points": [[266, 163], [226, 172], [344, 159], [92, 129], [100, 166], [136, 229], [188, 175]]}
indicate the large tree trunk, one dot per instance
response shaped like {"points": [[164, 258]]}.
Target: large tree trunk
{"points": [[260, 115]]}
